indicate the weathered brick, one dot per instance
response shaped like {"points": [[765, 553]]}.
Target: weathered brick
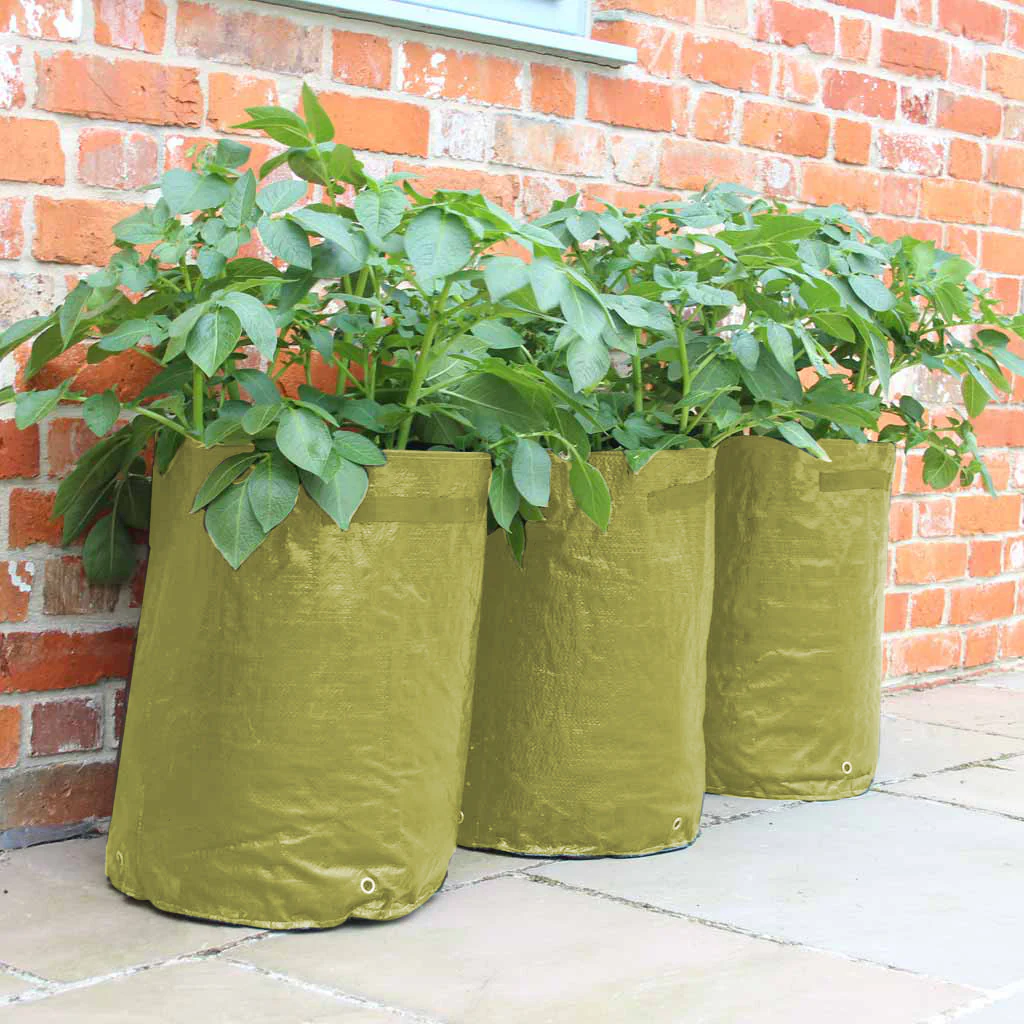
{"points": [[1003, 254], [10, 735], [548, 146], [552, 90], [1005, 211], [251, 40], [917, 104], [854, 38], [935, 517], [979, 513], [358, 58], [118, 90], [1004, 74], [966, 66], [727, 14], [931, 561], [965, 159], [115, 159], [727, 64], [1011, 639], [635, 159], [657, 46], [981, 646], [15, 590], [451, 74], [30, 150], [54, 19], [927, 652], [712, 117], [895, 612], [901, 196], [625, 197], [131, 24], [917, 12], [927, 608], [986, 558], [852, 141], [380, 125], [901, 520], [886, 8], [12, 232], [799, 132], [502, 189], [923, 56], [631, 104], [67, 590], [57, 794], [852, 187], [677, 10], [127, 373], [56, 661], [981, 603], [792, 25], [910, 154], [77, 230], [974, 19], [860, 94], [961, 202], [692, 165], [12, 81], [971, 115], [1006, 165], [29, 522], [797, 79], [65, 726], [230, 95], [19, 451]]}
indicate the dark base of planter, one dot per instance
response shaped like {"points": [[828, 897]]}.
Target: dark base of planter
{"points": [[825, 789], [560, 854]]}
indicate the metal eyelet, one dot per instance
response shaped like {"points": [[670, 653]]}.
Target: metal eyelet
{"points": [[368, 885], [677, 824], [847, 767], [462, 817]]}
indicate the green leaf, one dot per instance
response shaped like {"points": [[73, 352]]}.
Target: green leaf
{"points": [[95, 469], [316, 117], [503, 496], [241, 201], [130, 334], [872, 292], [272, 487], [260, 386], [582, 312], [496, 335], [357, 448], [257, 321], [108, 555], [71, 310], [213, 339], [940, 468], [20, 331], [975, 398], [745, 348], [504, 275], [516, 534], [233, 526], [796, 435], [100, 412], [259, 417], [531, 472], [588, 362], [304, 439], [880, 357], [134, 501], [438, 244], [380, 212], [335, 229], [287, 241], [591, 493], [340, 496], [185, 191], [31, 406], [346, 166], [223, 475], [281, 125], [280, 195], [780, 342]]}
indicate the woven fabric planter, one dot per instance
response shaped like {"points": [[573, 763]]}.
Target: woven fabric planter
{"points": [[794, 658], [296, 730], [586, 737]]}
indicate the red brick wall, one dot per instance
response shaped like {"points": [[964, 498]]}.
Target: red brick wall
{"points": [[911, 111]]}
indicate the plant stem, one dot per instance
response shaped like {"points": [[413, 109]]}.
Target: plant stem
{"points": [[198, 387], [638, 386], [684, 365], [419, 371]]}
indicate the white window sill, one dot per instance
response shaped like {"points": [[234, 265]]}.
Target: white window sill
{"points": [[467, 26]]}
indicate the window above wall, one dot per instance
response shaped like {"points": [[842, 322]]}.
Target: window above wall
{"points": [[557, 27]]}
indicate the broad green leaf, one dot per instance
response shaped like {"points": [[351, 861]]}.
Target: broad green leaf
{"points": [[357, 448], [588, 361], [531, 472], [221, 476], [185, 191], [71, 310], [496, 335], [257, 321], [31, 406], [95, 469], [780, 342], [582, 312], [346, 166], [130, 334], [340, 496], [380, 212], [316, 117], [503, 496], [259, 417], [281, 125], [335, 229], [975, 398], [280, 195], [940, 468], [504, 275], [438, 243], [272, 487], [100, 412], [304, 439], [796, 435], [745, 348], [880, 358], [134, 501], [241, 202], [233, 526], [872, 292], [108, 555], [210, 263], [287, 241], [213, 339], [591, 493], [260, 386], [179, 329], [516, 534], [229, 153]]}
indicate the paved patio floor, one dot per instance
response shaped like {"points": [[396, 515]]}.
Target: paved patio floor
{"points": [[904, 906]]}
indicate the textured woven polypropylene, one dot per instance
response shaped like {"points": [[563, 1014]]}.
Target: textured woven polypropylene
{"points": [[296, 732], [794, 658], [586, 737]]}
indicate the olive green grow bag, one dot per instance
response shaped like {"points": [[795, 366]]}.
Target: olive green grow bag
{"points": [[587, 721], [296, 732], [794, 658]]}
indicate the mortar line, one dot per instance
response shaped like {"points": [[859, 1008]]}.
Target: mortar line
{"points": [[983, 1002], [953, 803]]}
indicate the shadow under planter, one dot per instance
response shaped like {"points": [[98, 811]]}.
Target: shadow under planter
{"points": [[587, 717], [794, 657], [296, 730]]}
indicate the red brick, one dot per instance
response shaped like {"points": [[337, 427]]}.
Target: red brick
{"points": [[911, 154], [961, 202], [1007, 292], [657, 47], [979, 513], [625, 197], [931, 561], [790, 25], [860, 94], [692, 165], [927, 608], [965, 159], [12, 83], [127, 373], [712, 117], [19, 451], [118, 90], [727, 64], [1004, 74], [983, 22], [901, 521], [966, 66], [30, 522], [552, 90], [1011, 639], [57, 794], [77, 230], [854, 38], [450, 74], [630, 103], [1013, 553], [797, 79], [65, 726], [935, 518], [56, 661], [67, 590], [15, 589], [853, 188], [178, 148], [54, 19], [230, 95], [1006, 210], [358, 58], [886, 8], [114, 159], [549, 145], [137, 585], [30, 150], [635, 158], [917, 12], [12, 233], [961, 241], [852, 141], [968, 114], [131, 24], [981, 646], [981, 603], [726, 14], [923, 56], [250, 40], [384, 126], [502, 189], [896, 612], [677, 10], [1004, 255], [901, 196], [1006, 165], [10, 735], [986, 558], [927, 652], [1015, 30], [785, 130], [120, 709], [917, 104]]}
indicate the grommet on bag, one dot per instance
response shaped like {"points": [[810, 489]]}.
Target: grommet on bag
{"points": [[847, 767], [368, 885], [677, 824], [462, 817]]}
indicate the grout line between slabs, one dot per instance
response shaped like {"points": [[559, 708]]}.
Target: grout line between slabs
{"points": [[983, 1002], [952, 803]]}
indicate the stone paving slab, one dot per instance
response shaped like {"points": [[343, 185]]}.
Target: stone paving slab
{"points": [[912, 884], [995, 787], [61, 920], [995, 710], [1005, 1011], [718, 808], [1009, 681], [512, 950], [10, 985], [209, 992], [476, 865]]}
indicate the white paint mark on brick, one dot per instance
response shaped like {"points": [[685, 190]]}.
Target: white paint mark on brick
{"points": [[24, 585], [10, 79], [69, 26]]}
